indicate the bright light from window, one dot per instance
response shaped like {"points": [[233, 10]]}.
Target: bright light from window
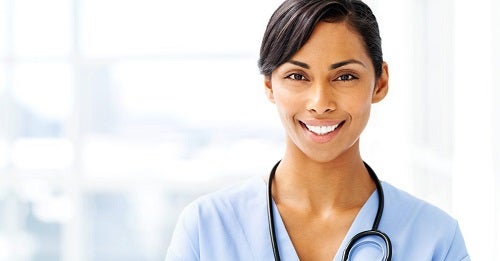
{"points": [[42, 28], [114, 158], [196, 27], [3, 153], [44, 89], [3, 31], [2, 79], [200, 92], [42, 153]]}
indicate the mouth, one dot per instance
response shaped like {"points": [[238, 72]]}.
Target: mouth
{"points": [[324, 129]]}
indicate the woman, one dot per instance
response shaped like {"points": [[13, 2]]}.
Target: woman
{"points": [[323, 68]]}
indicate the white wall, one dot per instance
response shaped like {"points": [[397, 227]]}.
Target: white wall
{"points": [[442, 115]]}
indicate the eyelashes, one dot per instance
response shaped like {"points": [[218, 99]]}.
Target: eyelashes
{"points": [[346, 77], [296, 77]]}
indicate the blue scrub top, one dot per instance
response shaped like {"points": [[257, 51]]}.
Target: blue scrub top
{"points": [[232, 224]]}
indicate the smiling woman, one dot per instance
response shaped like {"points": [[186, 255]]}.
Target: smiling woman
{"points": [[323, 69]]}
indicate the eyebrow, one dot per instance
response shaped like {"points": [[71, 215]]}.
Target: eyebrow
{"points": [[332, 66], [300, 64], [346, 62]]}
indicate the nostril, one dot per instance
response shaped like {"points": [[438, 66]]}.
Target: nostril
{"points": [[321, 110], [321, 102]]}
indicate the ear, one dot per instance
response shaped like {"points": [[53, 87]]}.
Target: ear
{"points": [[381, 85], [269, 88]]}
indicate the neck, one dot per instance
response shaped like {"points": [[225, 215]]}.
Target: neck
{"points": [[322, 186]]}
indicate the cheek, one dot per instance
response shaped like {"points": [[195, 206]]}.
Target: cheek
{"points": [[286, 100], [287, 105], [358, 106], [285, 109]]}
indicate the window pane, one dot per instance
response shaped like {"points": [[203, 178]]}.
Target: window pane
{"points": [[3, 151], [5, 114], [47, 209], [173, 27], [3, 31], [2, 81], [211, 92], [42, 28], [174, 119], [125, 225], [42, 153], [16, 243], [43, 97], [111, 233]]}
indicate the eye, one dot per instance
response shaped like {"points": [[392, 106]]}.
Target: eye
{"points": [[296, 77], [346, 77]]}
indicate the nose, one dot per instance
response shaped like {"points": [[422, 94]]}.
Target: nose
{"points": [[321, 99]]}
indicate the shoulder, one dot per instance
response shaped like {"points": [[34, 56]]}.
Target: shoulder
{"points": [[420, 227], [410, 207], [233, 197], [222, 207], [404, 209], [223, 224]]}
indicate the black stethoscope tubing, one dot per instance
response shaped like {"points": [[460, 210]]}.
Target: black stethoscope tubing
{"points": [[373, 232]]}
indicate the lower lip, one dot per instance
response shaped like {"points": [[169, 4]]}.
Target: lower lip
{"points": [[322, 138]]}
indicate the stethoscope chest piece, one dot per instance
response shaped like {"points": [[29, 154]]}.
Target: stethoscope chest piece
{"points": [[368, 245]]}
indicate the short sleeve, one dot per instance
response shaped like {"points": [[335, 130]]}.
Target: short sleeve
{"points": [[457, 250], [184, 243]]}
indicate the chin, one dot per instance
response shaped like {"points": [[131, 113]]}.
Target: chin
{"points": [[325, 157]]}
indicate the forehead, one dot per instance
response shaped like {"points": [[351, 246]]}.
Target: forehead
{"points": [[333, 42]]}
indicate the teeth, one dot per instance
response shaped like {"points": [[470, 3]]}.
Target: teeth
{"points": [[322, 130]]}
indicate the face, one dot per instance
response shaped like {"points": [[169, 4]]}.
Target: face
{"points": [[324, 93]]}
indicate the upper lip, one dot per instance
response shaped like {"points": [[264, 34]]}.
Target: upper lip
{"points": [[321, 122]]}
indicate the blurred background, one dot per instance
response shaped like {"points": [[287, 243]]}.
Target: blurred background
{"points": [[115, 114]]}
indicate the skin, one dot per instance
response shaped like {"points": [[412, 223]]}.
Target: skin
{"points": [[321, 182]]}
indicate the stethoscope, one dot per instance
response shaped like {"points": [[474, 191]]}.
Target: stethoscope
{"points": [[347, 251]]}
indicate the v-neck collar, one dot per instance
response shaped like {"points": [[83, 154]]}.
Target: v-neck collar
{"points": [[363, 221]]}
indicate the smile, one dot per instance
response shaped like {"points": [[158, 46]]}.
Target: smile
{"points": [[322, 130]]}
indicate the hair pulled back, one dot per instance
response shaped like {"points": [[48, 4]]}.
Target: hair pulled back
{"points": [[292, 24]]}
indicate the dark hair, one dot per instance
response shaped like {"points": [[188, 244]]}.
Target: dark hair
{"points": [[292, 23]]}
